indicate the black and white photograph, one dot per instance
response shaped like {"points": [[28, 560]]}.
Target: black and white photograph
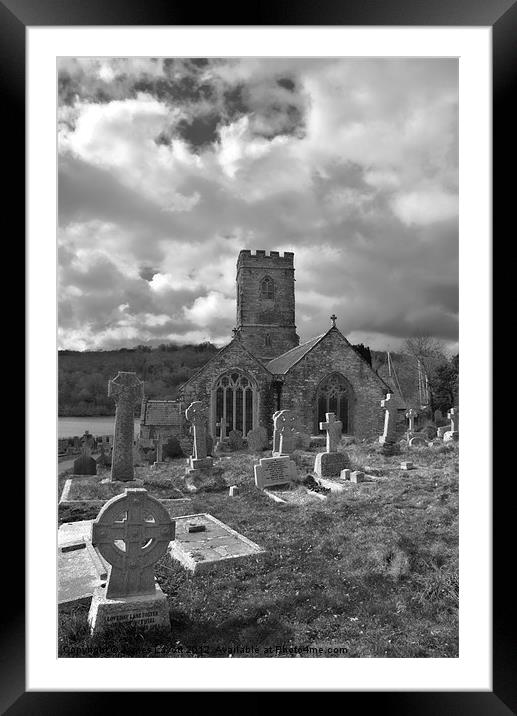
{"points": [[258, 366]]}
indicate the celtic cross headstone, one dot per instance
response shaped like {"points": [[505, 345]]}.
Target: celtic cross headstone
{"points": [[132, 532]]}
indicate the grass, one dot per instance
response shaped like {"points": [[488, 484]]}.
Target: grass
{"points": [[370, 572]]}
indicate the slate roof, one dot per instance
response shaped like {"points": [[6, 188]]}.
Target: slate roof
{"points": [[282, 363]]}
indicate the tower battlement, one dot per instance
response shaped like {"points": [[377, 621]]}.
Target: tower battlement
{"points": [[265, 302], [270, 258]]}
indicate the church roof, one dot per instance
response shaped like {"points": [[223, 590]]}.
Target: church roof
{"points": [[282, 363]]}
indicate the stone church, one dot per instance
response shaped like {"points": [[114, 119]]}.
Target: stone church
{"points": [[264, 368]]}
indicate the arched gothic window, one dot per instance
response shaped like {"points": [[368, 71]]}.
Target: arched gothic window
{"points": [[267, 288], [235, 398], [335, 395]]}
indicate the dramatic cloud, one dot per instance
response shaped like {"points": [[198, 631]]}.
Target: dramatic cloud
{"points": [[168, 167]]}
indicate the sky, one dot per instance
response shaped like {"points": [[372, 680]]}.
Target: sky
{"points": [[169, 167]]}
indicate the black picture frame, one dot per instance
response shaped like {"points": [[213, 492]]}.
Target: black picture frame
{"points": [[501, 15]]}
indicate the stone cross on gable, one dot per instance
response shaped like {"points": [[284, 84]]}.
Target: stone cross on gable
{"points": [[143, 524], [390, 405], [126, 390], [411, 415], [196, 415], [284, 422], [454, 416], [334, 428], [333, 318]]}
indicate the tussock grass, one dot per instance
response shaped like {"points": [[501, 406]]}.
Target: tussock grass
{"points": [[370, 572]]}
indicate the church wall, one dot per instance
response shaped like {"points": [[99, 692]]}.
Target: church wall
{"points": [[200, 387], [334, 355]]}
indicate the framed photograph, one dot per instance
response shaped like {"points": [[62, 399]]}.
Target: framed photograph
{"points": [[254, 252]]}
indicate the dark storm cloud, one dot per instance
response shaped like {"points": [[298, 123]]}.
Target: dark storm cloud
{"points": [[169, 167]]}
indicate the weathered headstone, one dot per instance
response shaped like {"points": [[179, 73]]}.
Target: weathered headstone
{"points": [[257, 439], [104, 459], [201, 467], [345, 474], [390, 418], [85, 465], [127, 390], [159, 462], [235, 440], [274, 471], [276, 434], [407, 465], [132, 532], [453, 434], [357, 476], [87, 443], [417, 441], [440, 432], [331, 462], [234, 491], [284, 422]]}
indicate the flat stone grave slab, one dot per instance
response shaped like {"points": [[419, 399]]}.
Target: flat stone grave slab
{"points": [[293, 494], [80, 571], [209, 543], [338, 484], [92, 491]]}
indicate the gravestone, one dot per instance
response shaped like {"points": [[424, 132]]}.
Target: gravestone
{"points": [[85, 465], [331, 462], [274, 471], [357, 476], [126, 390], [276, 434], [234, 491], [159, 462], [235, 440], [453, 433], [257, 439], [201, 468], [87, 443], [417, 441], [411, 415], [132, 532], [390, 419], [104, 460], [284, 422]]}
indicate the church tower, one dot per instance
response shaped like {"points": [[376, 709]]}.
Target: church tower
{"points": [[265, 303]]}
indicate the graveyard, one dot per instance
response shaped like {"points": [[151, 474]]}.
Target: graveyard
{"points": [[284, 546]]}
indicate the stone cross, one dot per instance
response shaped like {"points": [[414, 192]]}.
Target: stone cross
{"points": [[411, 415], [127, 390], [222, 425], [454, 417], [276, 434], [389, 404], [285, 424], [195, 414], [143, 525], [87, 443], [334, 428], [333, 318]]}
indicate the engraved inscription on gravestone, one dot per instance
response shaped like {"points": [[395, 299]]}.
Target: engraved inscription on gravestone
{"points": [[274, 471]]}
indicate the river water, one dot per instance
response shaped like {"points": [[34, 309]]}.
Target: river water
{"points": [[97, 425]]}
